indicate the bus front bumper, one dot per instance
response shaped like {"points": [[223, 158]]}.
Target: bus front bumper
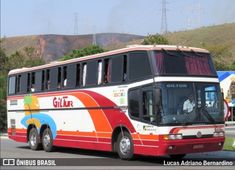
{"points": [[185, 146]]}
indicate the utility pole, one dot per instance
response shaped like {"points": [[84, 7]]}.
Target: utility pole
{"points": [[164, 18], [75, 24], [94, 37]]}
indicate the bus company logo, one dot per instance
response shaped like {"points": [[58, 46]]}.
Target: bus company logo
{"points": [[64, 101], [199, 134]]}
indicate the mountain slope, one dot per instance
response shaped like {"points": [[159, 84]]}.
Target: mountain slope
{"points": [[52, 47]]}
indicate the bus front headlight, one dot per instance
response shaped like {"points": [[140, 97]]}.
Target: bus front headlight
{"points": [[174, 136]]}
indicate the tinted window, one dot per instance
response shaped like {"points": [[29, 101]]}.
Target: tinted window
{"points": [[53, 78], [139, 66], [18, 77], [134, 105], [11, 86], [183, 63], [38, 82], [100, 71], [78, 75], [47, 80], [84, 74], [71, 76], [92, 72], [117, 69], [107, 70], [23, 83]]}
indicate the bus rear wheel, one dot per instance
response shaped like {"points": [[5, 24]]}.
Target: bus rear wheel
{"points": [[47, 140], [125, 145], [34, 139]]}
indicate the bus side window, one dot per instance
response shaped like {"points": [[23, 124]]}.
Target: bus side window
{"points": [[38, 81], [107, 71], [139, 66], [99, 72], [70, 77], [92, 72], [43, 80], [78, 75], [18, 79], [134, 103], [12, 85], [32, 87], [47, 79], [64, 78], [117, 69], [124, 67], [28, 82], [84, 73], [59, 78]]}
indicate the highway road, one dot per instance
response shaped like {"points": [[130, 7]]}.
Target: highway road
{"points": [[105, 160]]}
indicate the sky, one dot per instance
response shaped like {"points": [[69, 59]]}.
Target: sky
{"points": [[141, 17]]}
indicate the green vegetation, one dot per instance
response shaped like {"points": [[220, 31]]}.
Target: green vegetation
{"points": [[219, 40], [155, 39], [228, 144], [25, 58], [89, 50]]}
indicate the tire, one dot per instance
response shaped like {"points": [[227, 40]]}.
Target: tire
{"points": [[34, 139], [178, 156], [125, 146], [47, 140]]}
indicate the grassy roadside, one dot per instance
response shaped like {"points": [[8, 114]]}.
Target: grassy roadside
{"points": [[228, 144]]}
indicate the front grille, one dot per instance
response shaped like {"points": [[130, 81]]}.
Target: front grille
{"points": [[194, 136]]}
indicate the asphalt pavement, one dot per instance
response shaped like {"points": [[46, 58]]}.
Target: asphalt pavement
{"points": [[106, 160]]}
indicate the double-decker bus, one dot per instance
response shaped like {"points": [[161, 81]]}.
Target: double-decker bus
{"points": [[148, 100]]}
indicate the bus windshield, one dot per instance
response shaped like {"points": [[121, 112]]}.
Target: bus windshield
{"points": [[190, 103], [183, 63]]}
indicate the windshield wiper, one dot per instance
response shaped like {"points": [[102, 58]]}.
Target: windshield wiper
{"points": [[207, 115]]}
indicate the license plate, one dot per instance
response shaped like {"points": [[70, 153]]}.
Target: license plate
{"points": [[198, 146]]}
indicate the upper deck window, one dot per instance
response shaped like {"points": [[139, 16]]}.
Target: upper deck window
{"points": [[12, 85], [183, 63], [139, 67]]}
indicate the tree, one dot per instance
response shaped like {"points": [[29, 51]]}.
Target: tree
{"points": [[19, 59], [92, 49], [155, 39], [3, 57]]}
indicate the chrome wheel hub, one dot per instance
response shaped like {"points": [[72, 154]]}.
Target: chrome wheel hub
{"points": [[33, 140], [46, 140], [125, 145]]}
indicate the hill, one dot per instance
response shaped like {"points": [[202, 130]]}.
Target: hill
{"points": [[206, 36], [52, 47]]}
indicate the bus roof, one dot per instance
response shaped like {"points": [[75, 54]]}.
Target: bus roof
{"points": [[114, 52]]}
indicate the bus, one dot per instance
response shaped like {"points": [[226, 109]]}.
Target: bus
{"points": [[143, 99]]}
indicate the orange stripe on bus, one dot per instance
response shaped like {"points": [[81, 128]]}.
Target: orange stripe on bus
{"points": [[145, 136], [98, 117]]}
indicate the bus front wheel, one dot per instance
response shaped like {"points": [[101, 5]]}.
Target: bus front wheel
{"points": [[34, 139], [47, 140], [125, 145]]}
